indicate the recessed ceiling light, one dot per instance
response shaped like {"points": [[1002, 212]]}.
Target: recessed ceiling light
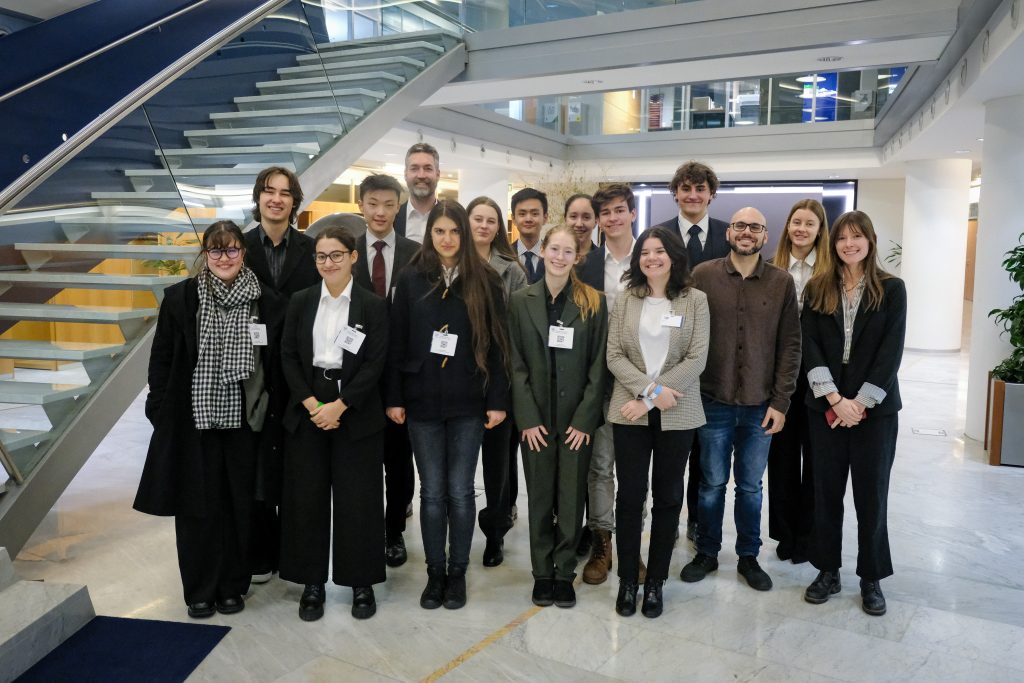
{"points": [[981, 139]]}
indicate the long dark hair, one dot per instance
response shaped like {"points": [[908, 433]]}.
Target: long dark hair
{"points": [[823, 290], [679, 279], [477, 283], [219, 235]]}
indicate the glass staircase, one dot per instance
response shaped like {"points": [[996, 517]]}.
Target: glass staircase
{"points": [[86, 254]]}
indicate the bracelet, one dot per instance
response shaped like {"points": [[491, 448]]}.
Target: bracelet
{"points": [[833, 405]]}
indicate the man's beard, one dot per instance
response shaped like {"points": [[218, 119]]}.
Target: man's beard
{"points": [[421, 192], [745, 252]]}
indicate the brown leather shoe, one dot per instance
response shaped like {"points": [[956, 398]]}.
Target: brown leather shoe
{"points": [[600, 562]]}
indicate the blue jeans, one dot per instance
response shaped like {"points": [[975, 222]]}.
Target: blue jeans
{"points": [[446, 453], [728, 428]]}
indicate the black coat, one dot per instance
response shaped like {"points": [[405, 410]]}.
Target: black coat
{"points": [[172, 478], [416, 379], [875, 352], [299, 270], [360, 372], [716, 245]]}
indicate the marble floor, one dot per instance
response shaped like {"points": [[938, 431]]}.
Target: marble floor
{"points": [[956, 603]]}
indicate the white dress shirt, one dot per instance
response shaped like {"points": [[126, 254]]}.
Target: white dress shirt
{"points": [[654, 337], [801, 272], [535, 250], [684, 229], [388, 252], [415, 223], [613, 271], [331, 317]]}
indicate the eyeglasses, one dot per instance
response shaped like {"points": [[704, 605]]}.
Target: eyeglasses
{"points": [[335, 256], [740, 226], [217, 254]]}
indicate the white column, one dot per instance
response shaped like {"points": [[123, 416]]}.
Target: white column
{"points": [[999, 228], [476, 182], [935, 211]]}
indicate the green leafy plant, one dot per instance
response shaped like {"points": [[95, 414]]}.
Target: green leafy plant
{"points": [[895, 255], [1011, 318]]}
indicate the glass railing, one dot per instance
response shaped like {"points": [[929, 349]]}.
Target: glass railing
{"points": [[91, 248], [773, 100]]}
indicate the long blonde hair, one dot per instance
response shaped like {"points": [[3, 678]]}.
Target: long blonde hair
{"points": [[822, 249], [823, 289], [584, 296]]}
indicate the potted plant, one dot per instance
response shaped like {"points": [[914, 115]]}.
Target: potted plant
{"points": [[1005, 423]]}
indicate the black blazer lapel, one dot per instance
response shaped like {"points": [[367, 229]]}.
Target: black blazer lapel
{"points": [[361, 272], [188, 322], [256, 259], [400, 218], [293, 254], [537, 308]]}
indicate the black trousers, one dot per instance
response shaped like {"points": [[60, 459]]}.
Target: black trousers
{"points": [[865, 454], [265, 538], [791, 477], [399, 477], [498, 454], [331, 480], [693, 485], [634, 446], [213, 548]]}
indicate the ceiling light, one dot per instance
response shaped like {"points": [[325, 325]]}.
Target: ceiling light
{"points": [[592, 81], [743, 123], [981, 139], [962, 151], [830, 58], [810, 79]]}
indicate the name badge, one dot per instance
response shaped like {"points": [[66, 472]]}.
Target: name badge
{"points": [[443, 343], [560, 337], [350, 339], [258, 334], [669, 320]]}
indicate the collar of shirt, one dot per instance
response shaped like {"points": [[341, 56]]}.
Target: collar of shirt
{"points": [[684, 227], [267, 242], [390, 239], [328, 300], [731, 269], [809, 260], [608, 253], [449, 274], [521, 249], [412, 212]]}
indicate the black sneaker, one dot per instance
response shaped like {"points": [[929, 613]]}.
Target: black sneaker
{"points": [[455, 589], [698, 568], [564, 594], [823, 587], [433, 594], [872, 599], [543, 592], [311, 604], [756, 577], [201, 610]]}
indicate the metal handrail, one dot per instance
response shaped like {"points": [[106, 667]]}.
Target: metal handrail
{"points": [[97, 52], [49, 164]]}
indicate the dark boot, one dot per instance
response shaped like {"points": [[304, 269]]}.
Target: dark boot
{"points": [[455, 589], [824, 586], [433, 594], [653, 602], [625, 603]]}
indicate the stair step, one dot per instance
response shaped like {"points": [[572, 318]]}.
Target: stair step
{"points": [[146, 178], [61, 280], [330, 115], [432, 34], [13, 439], [132, 251], [401, 66], [359, 98], [337, 51], [64, 351], [378, 80], [73, 314], [161, 199], [323, 135], [38, 393], [38, 617], [265, 155], [156, 222]]}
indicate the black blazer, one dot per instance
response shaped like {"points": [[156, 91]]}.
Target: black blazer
{"points": [[405, 249], [716, 245], [299, 269], [360, 372], [538, 266], [172, 478], [400, 219], [875, 352], [591, 270], [416, 379]]}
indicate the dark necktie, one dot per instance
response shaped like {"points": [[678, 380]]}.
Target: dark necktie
{"points": [[694, 252], [378, 273], [531, 272]]}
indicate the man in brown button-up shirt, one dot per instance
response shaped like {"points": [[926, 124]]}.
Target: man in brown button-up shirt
{"points": [[753, 360]]}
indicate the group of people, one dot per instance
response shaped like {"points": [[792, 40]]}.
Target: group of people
{"points": [[294, 381]]}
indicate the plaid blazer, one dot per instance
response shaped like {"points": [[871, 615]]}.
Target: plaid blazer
{"points": [[687, 353]]}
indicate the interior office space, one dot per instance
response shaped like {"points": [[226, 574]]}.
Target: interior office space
{"points": [[946, 154]]}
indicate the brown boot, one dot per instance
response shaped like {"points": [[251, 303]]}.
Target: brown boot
{"points": [[600, 562]]}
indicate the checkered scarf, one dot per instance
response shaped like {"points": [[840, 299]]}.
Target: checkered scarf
{"points": [[225, 349]]}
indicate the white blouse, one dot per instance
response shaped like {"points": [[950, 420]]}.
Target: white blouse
{"points": [[331, 318], [654, 337]]}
